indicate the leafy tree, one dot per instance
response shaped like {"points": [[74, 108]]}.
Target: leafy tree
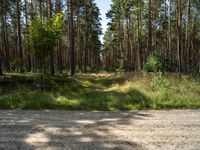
{"points": [[43, 36], [155, 63]]}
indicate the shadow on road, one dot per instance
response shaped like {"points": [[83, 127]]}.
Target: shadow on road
{"points": [[66, 130]]}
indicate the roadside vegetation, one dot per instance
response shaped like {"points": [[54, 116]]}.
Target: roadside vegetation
{"points": [[151, 48], [103, 91]]}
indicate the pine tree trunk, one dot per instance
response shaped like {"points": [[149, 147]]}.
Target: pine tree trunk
{"points": [[164, 34], [149, 47], [179, 34], [52, 51], [79, 37], [27, 36], [139, 35], [60, 56], [19, 41], [187, 46], [5, 42], [86, 41], [169, 37], [1, 71], [72, 38], [128, 45]]}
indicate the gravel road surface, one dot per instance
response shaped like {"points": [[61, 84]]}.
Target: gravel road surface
{"points": [[61, 130]]}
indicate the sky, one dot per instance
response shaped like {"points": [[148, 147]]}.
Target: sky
{"points": [[104, 6]]}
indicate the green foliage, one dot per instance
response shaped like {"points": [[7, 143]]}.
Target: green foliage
{"points": [[155, 63], [43, 35], [15, 64], [38, 39], [120, 65], [58, 25]]}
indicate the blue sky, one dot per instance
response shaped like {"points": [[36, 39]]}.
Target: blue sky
{"points": [[104, 6]]}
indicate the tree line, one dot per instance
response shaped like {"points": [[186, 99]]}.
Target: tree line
{"points": [[141, 29], [52, 35]]}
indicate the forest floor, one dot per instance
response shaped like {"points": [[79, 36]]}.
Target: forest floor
{"points": [[100, 92], [77, 130]]}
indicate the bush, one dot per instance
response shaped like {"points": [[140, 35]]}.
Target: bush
{"points": [[155, 63], [120, 65]]}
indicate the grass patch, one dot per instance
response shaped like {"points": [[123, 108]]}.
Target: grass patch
{"points": [[105, 92]]}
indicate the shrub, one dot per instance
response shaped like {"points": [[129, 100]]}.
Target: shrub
{"points": [[120, 65], [155, 63]]}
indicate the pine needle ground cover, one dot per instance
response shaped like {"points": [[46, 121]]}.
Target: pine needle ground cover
{"points": [[100, 92]]}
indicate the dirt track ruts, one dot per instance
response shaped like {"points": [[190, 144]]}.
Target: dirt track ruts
{"points": [[145, 130]]}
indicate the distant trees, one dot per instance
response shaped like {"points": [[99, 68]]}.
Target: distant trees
{"points": [[136, 30], [168, 27], [76, 49]]}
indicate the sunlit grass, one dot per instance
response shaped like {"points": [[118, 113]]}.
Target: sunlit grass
{"points": [[101, 91]]}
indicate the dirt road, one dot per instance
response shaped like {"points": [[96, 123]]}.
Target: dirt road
{"points": [[57, 130]]}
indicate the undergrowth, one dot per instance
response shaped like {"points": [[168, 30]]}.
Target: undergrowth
{"points": [[103, 92]]}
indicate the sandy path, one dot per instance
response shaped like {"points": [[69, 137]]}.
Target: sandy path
{"points": [[146, 130]]}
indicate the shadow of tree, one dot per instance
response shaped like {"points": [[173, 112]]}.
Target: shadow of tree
{"points": [[91, 94], [67, 130], [83, 92], [94, 97]]}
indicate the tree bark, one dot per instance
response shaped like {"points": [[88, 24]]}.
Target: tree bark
{"points": [[149, 46], [164, 34], [59, 41], [79, 53], [19, 41], [52, 51], [169, 36], [139, 35], [128, 44], [27, 36], [1, 71], [187, 46], [86, 39], [72, 40], [179, 34]]}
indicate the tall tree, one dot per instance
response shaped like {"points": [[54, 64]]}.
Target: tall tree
{"points": [[169, 35], [187, 43], [52, 51], [179, 33], [1, 71], [139, 13], [149, 46], [59, 42], [19, 39], [72, 40], [5, 41], [27, 47]]}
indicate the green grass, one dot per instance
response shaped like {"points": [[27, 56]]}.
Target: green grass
{"points": [[105, 92]]}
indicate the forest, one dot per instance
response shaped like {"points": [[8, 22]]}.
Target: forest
{"points": [[52, 57]]}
